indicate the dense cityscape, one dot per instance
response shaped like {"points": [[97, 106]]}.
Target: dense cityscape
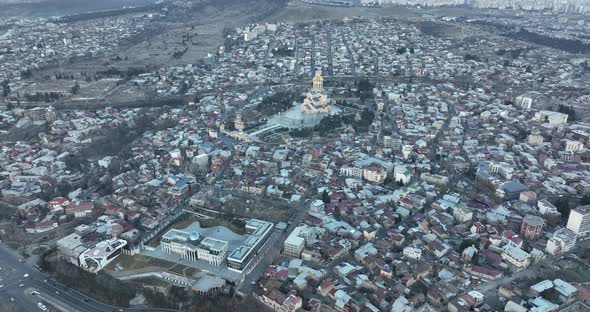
{"points": [[313, 155]]}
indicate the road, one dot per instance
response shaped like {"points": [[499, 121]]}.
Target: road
{"points": [[54, 294]]}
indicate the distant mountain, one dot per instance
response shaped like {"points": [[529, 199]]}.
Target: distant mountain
{"points": [[62, 7]]}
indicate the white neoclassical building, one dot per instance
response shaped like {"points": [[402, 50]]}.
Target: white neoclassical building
{"points": [[193, 247]]}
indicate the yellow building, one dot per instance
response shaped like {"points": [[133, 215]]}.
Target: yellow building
{"points": [[316, 100]]}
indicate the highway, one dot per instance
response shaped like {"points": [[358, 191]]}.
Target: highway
{"points": [[54, 295]]}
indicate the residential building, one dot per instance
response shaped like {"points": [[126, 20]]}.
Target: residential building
{"points": [[532, 227], [562, 241], [579, 220], [412, 252], [517, 258], [295, 242]]}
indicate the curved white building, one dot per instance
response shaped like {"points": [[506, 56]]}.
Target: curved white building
{"points": [[97, 257]]}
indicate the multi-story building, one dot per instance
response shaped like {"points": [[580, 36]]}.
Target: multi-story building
{"points": [[535, 139], [212, 250], [573, 146], [413, 253], [545, 207], [375, 174], [523, 101], [462, 214], [401, 174], [553, 118], [181, 243], [296, 241], [393, 142], [563, 240], [258, 232], [192, 246], [516, 257], [351, 172], [579, 220], [502, 169], [532, 226], [181, 186], [407, 151]]}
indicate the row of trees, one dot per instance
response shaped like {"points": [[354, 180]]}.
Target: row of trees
{"points": [[569, 110], [5, 87], [568, 45], [277, 103], [329, 123], [101, 286], [42, 96], [179, 54], [109, 290], [186, 300], [364, 89]]}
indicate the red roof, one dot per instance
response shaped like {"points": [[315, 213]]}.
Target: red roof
{"points": [[80, 206], [374, 168], [57, 201]]}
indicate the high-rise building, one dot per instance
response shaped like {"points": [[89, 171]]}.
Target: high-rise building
{"points": [[579, 220], [532, 227]]}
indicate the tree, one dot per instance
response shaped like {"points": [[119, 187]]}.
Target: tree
{"points": [[5, 88], [325, 197], [563, 206], [75, 88], [466, 243]]}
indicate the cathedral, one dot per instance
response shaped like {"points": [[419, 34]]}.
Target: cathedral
{"points": [[316, 100]]}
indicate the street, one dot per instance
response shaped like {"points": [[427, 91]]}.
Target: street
{"points": [[54, 294]]}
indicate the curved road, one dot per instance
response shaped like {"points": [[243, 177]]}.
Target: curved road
{"points": [[60, 298]]}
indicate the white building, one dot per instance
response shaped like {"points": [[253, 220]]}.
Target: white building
{"points": [[563, 240], [579, 220], [105, 162], [413, 253], [553, 118], [545, 207], [523, 101], [535, 139], [351, 172], [402, 174], [502, 169], [97, 257], [462, 214], [258, 232], [573, 146], [407, 151], [193, 247], [375, 174], [296, 241], [516, 257], [212, 250]]}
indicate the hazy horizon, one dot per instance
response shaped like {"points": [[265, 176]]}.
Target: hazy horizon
{"points": [[62, 7]]}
